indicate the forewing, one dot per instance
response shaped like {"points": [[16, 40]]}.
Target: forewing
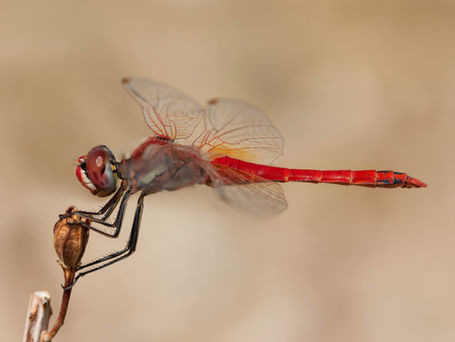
{"points": [[167, 111], [249, 193], [239, 130]]}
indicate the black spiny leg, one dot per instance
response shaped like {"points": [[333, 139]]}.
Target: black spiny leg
{"points": [[117, 222], [107, 209], [119, 255]]}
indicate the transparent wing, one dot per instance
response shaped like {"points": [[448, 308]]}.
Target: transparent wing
{"points": [[167, 111], [249, 193], [226, 126], [239, 130]]}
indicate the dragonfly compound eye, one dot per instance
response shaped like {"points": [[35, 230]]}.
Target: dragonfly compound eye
{"points": [[97, 171]]}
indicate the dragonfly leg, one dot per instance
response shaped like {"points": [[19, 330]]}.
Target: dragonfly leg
{"points": [[107, 209], [118, 255], [117, 222]]}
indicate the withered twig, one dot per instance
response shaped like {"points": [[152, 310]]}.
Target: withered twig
{"points": [[69, 278], [38, 315], [70, 240]]}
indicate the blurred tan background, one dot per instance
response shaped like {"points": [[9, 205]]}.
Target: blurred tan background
{"points": [[350, 84]]}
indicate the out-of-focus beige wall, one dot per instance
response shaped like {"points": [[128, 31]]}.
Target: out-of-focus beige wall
{"points": [[350, 84]]}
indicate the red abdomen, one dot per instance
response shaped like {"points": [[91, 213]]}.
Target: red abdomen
{"points": [[370, 178]]}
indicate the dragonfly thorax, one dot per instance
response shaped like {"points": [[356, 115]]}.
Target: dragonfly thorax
{"points": [[156, 166], [97, 171]]}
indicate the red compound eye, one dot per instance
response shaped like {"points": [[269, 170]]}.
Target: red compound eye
{"points": [[96, 162], [95, 171]]}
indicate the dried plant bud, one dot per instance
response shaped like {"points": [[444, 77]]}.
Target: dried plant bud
{"points": [[70, 239]]}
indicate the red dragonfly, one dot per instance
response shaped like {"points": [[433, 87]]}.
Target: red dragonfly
{"points": [[228, 145]]}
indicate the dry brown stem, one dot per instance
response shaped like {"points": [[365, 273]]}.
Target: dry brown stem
{"points": [[69, 278], [70, 240]]}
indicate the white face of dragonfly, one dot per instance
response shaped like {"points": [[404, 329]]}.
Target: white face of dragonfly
{"points": [[97, 171]]}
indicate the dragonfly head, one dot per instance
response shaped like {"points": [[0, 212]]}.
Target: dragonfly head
{"points": [[97, 171]]}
